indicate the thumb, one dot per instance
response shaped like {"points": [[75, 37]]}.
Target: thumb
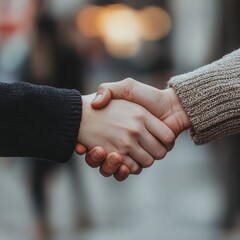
{"points": [[102, 98], [108, 91]]}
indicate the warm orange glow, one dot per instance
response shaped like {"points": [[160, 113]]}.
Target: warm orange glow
{"points": [[119, 24], [87, 21], [156, 23], [123, 50], [121, 28]]}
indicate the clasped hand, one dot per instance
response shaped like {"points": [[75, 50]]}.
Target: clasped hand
{"points": [[124, 136]]}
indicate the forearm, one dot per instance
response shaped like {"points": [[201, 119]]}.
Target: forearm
{"points": [[211, 98], [38, 121]]}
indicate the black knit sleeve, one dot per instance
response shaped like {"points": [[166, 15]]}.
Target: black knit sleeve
{"points": [[38, 121]]}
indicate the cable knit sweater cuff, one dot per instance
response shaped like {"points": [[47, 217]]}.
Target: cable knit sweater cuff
{"points": [[211, 97]]}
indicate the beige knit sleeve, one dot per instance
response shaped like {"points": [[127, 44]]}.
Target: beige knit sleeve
{"points": [[211, 97]]}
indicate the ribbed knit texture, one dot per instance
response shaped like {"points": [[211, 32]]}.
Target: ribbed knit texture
{"points": [[38, 121], [211, 97]]}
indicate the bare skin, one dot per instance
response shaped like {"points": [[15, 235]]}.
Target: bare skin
{"points": [[164, 104], [125, 128]]}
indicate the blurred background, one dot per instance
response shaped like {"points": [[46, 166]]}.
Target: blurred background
{"points": [[194, 193]]}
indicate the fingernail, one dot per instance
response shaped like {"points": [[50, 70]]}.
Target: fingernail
{"points": [[97, 98], [113, 162], [97, 156]]}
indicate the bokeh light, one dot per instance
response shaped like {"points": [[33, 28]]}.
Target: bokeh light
{"points": [[122, 28], [123, 50], [119, 24], [156, 23], [87, 20]]}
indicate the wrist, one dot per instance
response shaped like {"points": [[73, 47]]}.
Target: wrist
{"points": [[180, 119], [86, 112]]}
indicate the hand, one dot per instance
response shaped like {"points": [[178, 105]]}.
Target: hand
{"points": [[162, 103], [111, 164], [126, 128]]}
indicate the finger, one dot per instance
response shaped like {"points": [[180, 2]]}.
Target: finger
{"points": [[80, 149], [133, 166], [138, 172], [152, 145], [103, 97], [111, 164], [95, 157], [157, 128], [141, 156], [128, 89], [122, 173], [116, 90]]}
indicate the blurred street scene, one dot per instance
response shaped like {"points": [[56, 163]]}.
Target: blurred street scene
{"points": [[193, 193]]}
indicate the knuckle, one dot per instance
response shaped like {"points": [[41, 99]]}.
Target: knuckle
{"points": [[139, 113], [101, 86], [128, 87], [126, 141], [124, 145], [129, 81], [134, 132]]}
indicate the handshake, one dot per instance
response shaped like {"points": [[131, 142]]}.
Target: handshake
{"points": [[127, 125]]}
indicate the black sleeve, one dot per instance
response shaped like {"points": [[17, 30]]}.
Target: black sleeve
{"points": [[38, 121]]}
